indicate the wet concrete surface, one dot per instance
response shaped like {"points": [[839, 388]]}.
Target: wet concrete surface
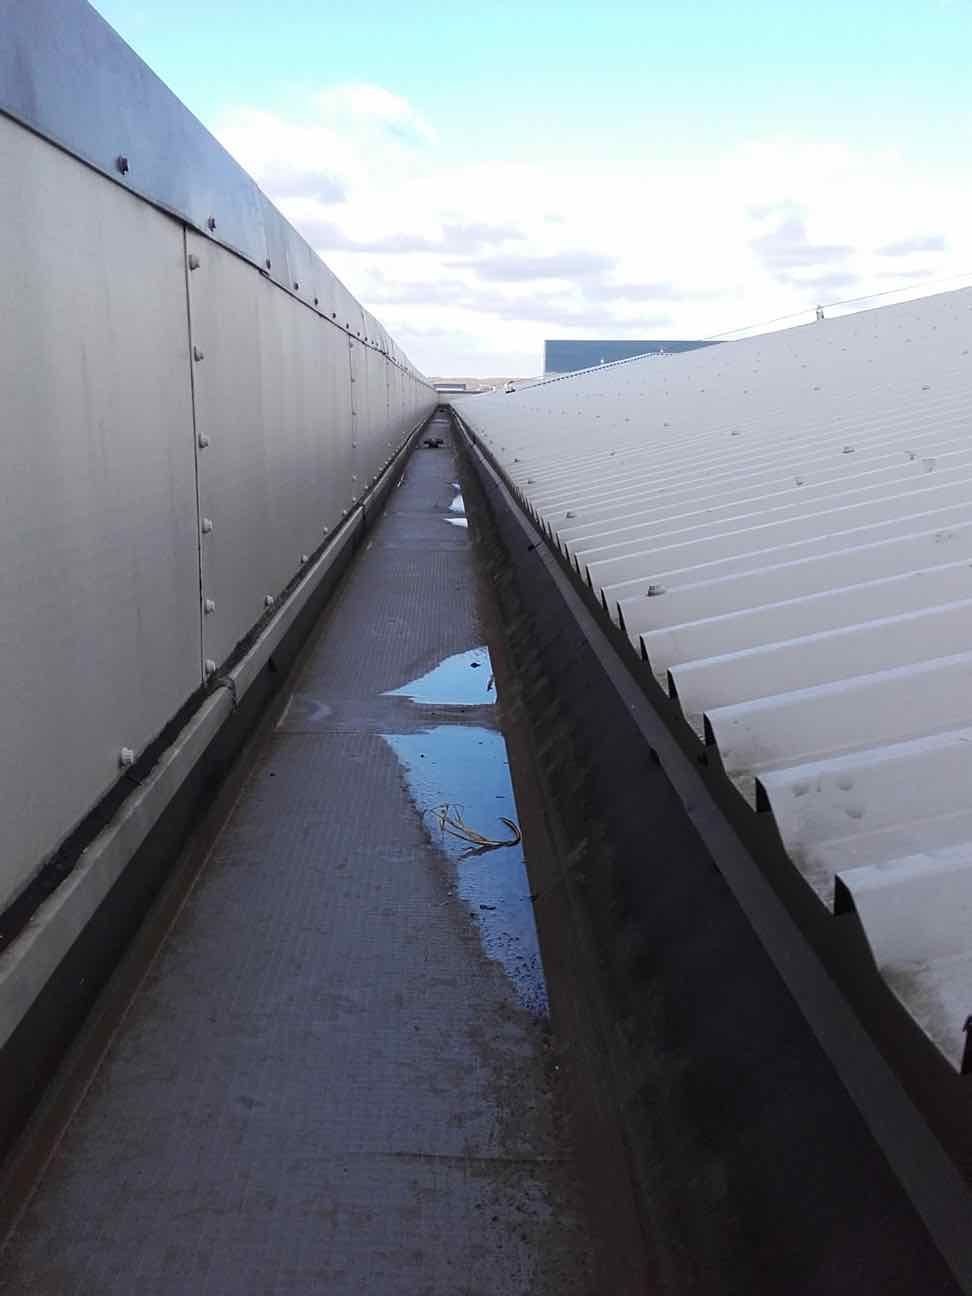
{"points": [[337, 1075]]}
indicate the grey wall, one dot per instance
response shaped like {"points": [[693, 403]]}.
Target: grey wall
{"points": [[568, 355], [140, 401]]}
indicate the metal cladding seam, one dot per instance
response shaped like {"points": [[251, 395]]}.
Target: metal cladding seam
{"points": [[782, 526]]}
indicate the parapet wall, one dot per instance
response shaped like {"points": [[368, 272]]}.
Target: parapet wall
{"points": [[191, 404]]}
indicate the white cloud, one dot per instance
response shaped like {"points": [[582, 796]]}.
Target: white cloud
{"points": [[363, 102], [917, 243], [472, 262]]}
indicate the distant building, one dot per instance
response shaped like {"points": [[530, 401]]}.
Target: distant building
{"points": [[459, 386], [567, 355]]}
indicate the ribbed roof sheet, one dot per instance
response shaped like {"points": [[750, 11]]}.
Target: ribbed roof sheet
{"points": [[783, 528]]}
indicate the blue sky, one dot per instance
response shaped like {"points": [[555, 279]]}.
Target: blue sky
{"points": [[484, 176]]}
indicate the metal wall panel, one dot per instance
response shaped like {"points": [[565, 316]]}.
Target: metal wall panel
{"points": [[272, 397], [99, 623], [783, 528], [65, 73], [103, 630]]}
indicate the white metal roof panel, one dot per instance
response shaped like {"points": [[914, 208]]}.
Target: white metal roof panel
{"points": [[783, 527]]}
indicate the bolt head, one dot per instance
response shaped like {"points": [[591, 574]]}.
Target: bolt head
{"points": [[126, 757], [303, 558], [209, 607], [193, 261], [210, 666], [203, 440], [268, 600], [211, 224], [197, 354], [121, 162], [207, 525]]}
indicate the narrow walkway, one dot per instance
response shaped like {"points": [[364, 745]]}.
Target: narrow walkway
{"points": [[335, 1076]]}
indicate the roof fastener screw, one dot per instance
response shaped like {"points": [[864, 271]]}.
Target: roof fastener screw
{"points": [[211, 224], [193, 261], [210, 666], [197, 354], [207, 525], [121, 162], [126, 757], [209, 607], [268, 600], [202, 440]]}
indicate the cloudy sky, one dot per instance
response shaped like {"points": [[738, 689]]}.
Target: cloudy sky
{"points": [[484, 176]]}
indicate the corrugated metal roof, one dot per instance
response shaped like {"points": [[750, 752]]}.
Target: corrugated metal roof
{"points": [[783, 528]]}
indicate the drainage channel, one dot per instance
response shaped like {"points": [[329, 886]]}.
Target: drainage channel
{"points": [[338, 1072]]}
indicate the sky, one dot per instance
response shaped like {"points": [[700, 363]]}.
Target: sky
{"points": [[484, 176]]}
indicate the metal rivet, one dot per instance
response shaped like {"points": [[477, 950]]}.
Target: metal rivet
{"points": [[126, 757], [268, 600], [207, 525], [193, 261], [211, 223], [209, 607], [210, 666], [121, 162], [203, 440], [197, 354]]}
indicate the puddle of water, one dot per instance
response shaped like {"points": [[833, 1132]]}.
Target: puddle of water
{"points": [[459, 522], [463, 680], [465, 767]]}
